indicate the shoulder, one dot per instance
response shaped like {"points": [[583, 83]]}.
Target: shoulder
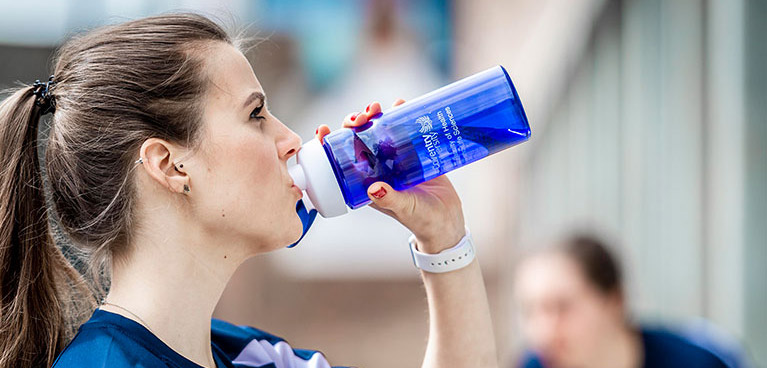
{"points": [[250, 347], [663, 348], [102, 346], [111, 340]]}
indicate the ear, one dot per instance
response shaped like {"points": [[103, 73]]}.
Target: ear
{"points": [[159, 160], [617, 302]]}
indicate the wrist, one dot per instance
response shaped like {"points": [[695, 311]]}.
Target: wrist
{"points": [[455, 257], [434, 245]]}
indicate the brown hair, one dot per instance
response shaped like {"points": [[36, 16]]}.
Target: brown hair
{"points": [[598, 265], [114, 88]]}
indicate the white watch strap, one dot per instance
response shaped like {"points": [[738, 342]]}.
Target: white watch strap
{"points": [[457, 257]]}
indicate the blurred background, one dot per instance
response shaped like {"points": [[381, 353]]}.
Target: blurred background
{"points": [[649, 127]]}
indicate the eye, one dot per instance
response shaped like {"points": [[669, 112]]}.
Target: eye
{"points": [[256, 113]]}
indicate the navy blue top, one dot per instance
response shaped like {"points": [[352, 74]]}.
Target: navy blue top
{"points": [[110, 340], [662, 349]]}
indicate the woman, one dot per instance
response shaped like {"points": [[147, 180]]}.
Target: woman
{"points": [[167, 167], [574, 314]]}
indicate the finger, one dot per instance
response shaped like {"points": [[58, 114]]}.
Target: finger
{"points": [[398, 102], [374, 108], [321, 132], [354, 120], [388, 199], [359, 119]]}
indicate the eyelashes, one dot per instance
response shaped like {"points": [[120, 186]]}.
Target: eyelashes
{"points": [[256, 113]]}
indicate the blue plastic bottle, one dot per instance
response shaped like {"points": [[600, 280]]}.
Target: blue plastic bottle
{"points": [[414, 142]]}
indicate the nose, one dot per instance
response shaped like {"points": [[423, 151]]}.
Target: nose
{"points": [[288, 143]]}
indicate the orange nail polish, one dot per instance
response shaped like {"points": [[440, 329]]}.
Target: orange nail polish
{"points": [[354, 116]]}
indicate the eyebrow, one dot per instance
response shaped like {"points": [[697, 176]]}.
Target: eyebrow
{"points": [[254, 97]]}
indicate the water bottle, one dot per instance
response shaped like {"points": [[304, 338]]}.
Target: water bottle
{"points": [[412, 143]]}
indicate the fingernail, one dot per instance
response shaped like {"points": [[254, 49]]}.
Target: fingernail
{"points": [[354, 116], [380, 193], [367, 109], [316, 131]]}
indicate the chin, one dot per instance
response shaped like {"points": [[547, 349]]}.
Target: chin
{"points": [[279, 238], [290, 233], [296, 231]]}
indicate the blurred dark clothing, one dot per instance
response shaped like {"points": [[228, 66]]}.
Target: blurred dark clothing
{"points": [[662, 349]]}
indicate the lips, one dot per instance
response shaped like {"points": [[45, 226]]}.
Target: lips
{"points": [[297, 190], [294, 187]]}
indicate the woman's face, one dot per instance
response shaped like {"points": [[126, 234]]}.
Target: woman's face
{"points": [[565, 319], [238, 177]]}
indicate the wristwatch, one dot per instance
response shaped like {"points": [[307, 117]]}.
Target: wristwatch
{"points": [[451, 259]]}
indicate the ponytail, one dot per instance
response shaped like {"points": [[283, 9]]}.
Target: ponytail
{"points": [[115, 87], [36, 282]]}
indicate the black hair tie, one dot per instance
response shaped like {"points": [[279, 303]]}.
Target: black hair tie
{"points": [[44, 99]]}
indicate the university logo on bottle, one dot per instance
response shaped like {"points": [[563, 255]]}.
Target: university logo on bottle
{"points": [[427, 137], [425, 124]]}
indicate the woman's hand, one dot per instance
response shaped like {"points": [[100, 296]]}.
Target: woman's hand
{"points": [[431, 210], [460, 328]]}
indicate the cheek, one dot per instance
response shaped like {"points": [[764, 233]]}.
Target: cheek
{"points": [[246, 193], [584, 327], [255, 177], [240, 178], [590, 315], [538, 329]]}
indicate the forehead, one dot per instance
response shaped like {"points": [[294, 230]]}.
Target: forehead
{"points": [[548, 273], [231, 76]]}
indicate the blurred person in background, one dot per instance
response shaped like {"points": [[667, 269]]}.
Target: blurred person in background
{"points": [[574, 315], [168, 169]]}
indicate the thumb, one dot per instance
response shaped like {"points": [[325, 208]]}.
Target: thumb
{"points": [[385, 197]]}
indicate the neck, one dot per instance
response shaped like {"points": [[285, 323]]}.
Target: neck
{"points": [[622, 349], [171, 281]]}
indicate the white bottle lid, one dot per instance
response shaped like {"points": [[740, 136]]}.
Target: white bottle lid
{"points": [[314, 175]]}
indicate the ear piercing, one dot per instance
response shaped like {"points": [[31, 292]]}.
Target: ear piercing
{"points": [[141, 161], [180, 166]]}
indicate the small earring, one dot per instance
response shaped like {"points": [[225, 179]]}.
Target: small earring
{"points": [[186, 188], [139, 161], [180, 166]]}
